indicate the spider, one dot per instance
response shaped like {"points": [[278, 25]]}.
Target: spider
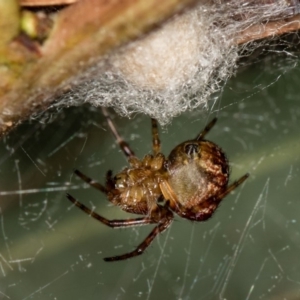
{"points": [[191, 182]]}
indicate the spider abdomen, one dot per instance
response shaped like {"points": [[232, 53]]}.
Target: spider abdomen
{"points": [[198, 173]]}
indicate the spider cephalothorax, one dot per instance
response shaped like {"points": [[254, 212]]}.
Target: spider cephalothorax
{"points": [[191, 182]]}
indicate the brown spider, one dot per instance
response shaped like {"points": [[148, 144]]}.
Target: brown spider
{"points": [[191, 182]]}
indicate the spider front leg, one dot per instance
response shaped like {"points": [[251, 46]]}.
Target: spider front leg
{"points": [[92, 182], [155, 137], [128, 152]]}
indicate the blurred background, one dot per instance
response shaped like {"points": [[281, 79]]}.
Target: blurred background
{"points": [[248, 250]]}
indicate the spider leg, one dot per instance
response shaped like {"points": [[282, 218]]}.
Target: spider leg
{"points": [[109, 181], [111, 223], [232, 187], [91, 182], [145, 244], [123, 145], [207, 128], [164, 223], [155, 137]]}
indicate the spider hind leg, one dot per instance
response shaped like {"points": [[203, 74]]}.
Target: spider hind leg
{"points": [[164, 223], [145, 244], [110, 223], [207, 128], [164, 215], [233, 186]]}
